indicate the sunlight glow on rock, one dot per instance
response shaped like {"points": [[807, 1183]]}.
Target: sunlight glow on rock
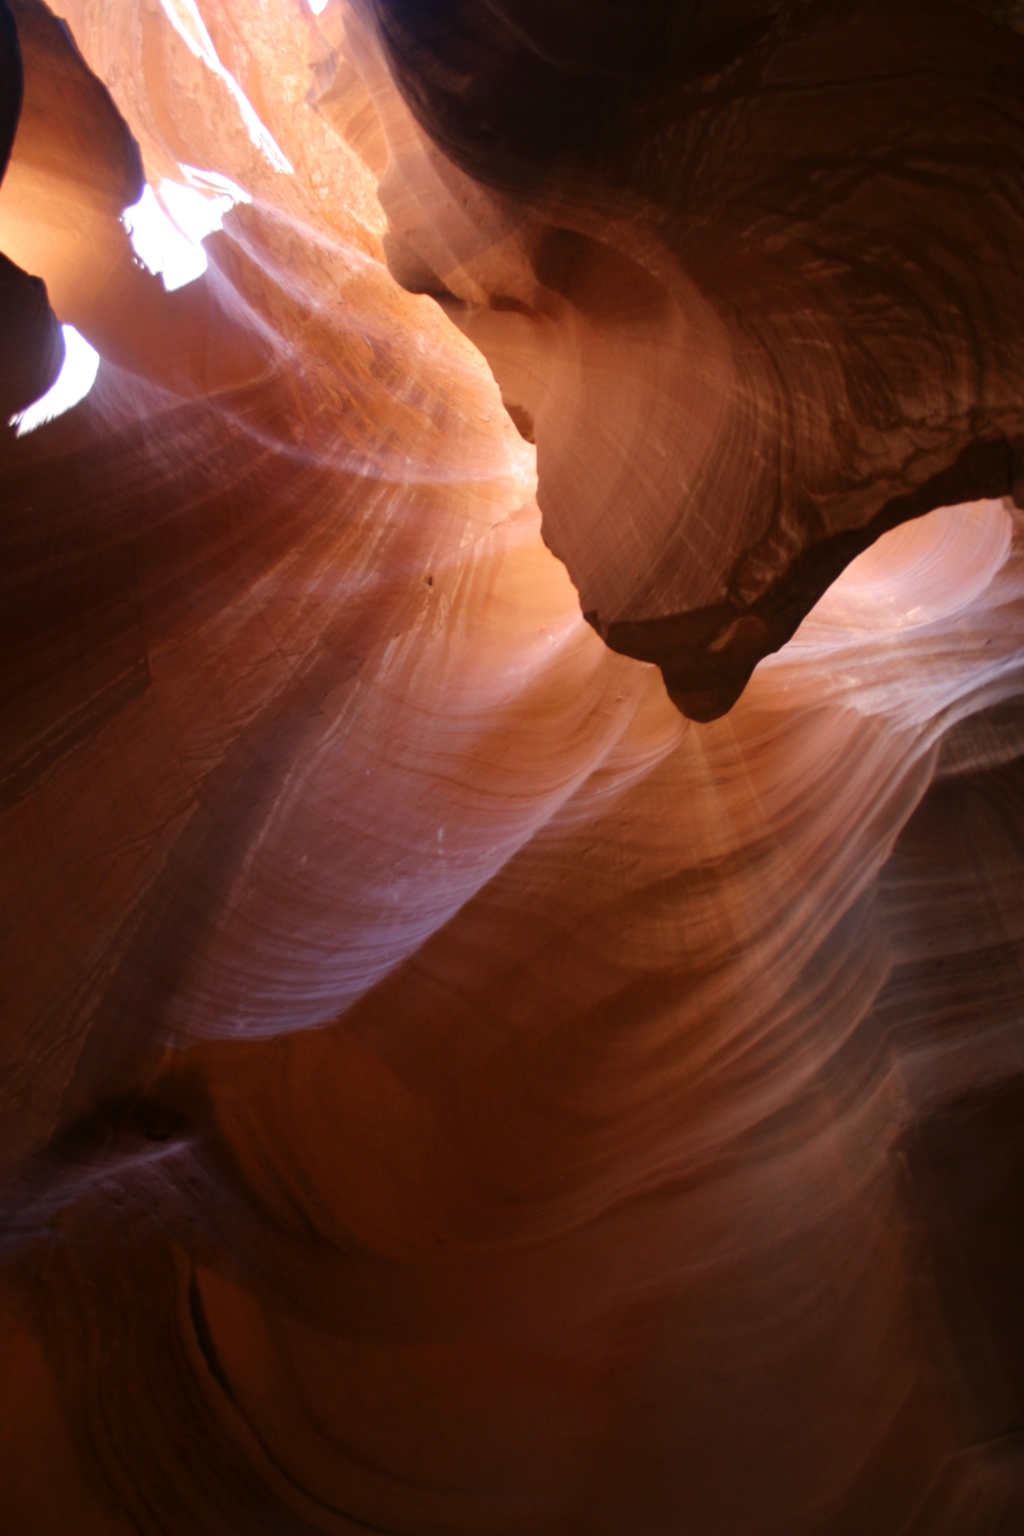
{"points": [[185, 19], [512, 768]]}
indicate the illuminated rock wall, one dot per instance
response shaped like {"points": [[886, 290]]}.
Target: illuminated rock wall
{"points": [[446, 1089]]}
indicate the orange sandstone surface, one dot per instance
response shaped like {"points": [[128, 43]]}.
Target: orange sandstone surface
{"points": [[512, 770]]}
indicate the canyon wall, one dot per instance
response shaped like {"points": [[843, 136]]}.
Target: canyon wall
{"points": [[511, 771]]}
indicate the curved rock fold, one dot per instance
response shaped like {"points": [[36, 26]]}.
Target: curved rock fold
{"points": [[511, 770]]}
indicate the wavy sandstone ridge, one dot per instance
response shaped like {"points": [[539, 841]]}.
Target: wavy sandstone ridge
{"points": [[763, 302], [444, 1088]]}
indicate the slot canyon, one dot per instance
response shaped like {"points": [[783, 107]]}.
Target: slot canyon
{"points": [[512, 768]]}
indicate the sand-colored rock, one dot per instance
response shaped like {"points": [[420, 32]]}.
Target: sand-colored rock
{"points": [[443, 1089]]}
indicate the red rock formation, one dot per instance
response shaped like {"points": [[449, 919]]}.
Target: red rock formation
{"points": [[758, 317], [444, 1088]]}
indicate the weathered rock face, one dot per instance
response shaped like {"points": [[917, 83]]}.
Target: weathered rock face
{"points": [[766, 304], [444, 1088]]}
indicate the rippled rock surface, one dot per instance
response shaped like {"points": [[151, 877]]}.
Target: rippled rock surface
{"points": [[512, 767]]}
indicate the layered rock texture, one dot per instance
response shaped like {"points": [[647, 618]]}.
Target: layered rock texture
{"points": [[512, 769]]}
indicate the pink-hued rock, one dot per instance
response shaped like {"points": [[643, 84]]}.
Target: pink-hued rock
{"points": [[773, 314], [443, 1089]]}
